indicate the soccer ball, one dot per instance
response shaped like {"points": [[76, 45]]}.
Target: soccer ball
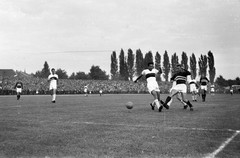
{"points": [[129, 105]]}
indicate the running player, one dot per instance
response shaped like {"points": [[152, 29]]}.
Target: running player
{"points": [[193, 89], [53, 79], [18, 86], [152, 85], [86, 91], [203, 82], [181, 78]]}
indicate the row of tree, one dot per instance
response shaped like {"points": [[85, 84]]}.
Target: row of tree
{"points": [[96, 73], [127, 66]]}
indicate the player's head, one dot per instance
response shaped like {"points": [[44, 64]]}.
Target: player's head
{"points": [[150, 65], [53, 71], [178, 67]]}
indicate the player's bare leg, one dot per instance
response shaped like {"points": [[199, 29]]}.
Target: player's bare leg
{"points": [[156, 101], [18, 95], [53, 95], [169, 98], [180, 98], [184, 98]]}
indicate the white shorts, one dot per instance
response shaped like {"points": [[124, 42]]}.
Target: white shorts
{"points": [[180, 88], [212, 90], [193, 88], [85, 90], [52, 86], [153, 86], [204, 87], [19, 90]]}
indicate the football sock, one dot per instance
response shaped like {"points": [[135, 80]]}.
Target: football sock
{"points": [[189, 104], [157, 103], [168, 100], [54, 97]]}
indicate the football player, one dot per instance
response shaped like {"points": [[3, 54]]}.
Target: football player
{"points": [[193, 89], [86, 90], [18, 86], [203, 85], [53, 79], [152, 85], [181, 78]]}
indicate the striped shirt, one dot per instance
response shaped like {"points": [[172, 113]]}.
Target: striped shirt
{"points": [[204, 81], [181, 77], [150, 74]]}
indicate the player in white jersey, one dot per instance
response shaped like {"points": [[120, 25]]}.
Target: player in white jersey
{"points": [[86, 91], [18, 86], [53, 79], [212, 89], [152, 85], [193, 89]]}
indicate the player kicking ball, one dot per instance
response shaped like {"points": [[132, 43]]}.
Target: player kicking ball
{"points": [[152, 85], [53, 79]]}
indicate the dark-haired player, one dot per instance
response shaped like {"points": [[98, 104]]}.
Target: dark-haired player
{"points": [[18, 86], [203, 85], [181, 78], [53, 79], [152, 85]]}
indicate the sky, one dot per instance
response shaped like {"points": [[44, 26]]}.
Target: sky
{"points": [[75, 34]]}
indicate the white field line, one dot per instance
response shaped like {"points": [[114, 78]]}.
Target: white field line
{"points": [[224, 144], [151, 126]]}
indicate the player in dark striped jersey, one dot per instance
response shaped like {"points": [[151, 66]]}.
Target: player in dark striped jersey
{"points": [[18, 86], [203, 83], [181, 78], [152, 85]]}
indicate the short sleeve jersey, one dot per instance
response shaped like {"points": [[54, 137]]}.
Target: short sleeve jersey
{"points": [[150, 75], [53, 78]]}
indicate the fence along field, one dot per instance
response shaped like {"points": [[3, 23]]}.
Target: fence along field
{"points": [[94, 126]]}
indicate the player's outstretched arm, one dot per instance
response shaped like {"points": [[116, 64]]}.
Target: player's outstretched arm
{"points": [[137, 78]]}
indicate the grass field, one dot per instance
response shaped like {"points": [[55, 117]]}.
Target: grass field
{"points": [[94, 126]]}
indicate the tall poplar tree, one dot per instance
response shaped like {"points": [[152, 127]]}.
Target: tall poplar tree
{"points": [[148, 58], [184, 61], [114, 66], [174, 63], [212, 69], [193, 66], [130, 64], [158, 64], [139, 66], [202, 63], [122, 65], [166, 66]]}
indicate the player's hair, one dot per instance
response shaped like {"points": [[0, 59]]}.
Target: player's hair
{"points": [[52, 69], [150, 63]]}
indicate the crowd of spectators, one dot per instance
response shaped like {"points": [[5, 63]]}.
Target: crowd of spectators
{"points": [[34, 85]]}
